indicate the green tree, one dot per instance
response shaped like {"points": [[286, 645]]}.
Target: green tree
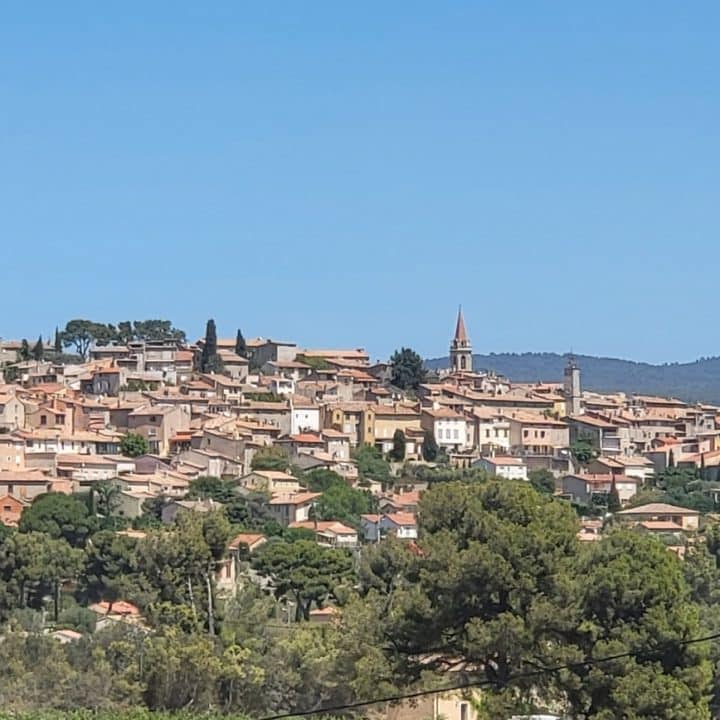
{"points": [[81, 334], [106, 497], [59, 516], [671, 459], [304, 570], [489, 583], [343, 503], [182, 671], [613, 504], [583, 450], [408, 369], [322, 479], [371, 464], [430, 447], [542, 480], [58, 346], [156, 331], [43, 565], [209, 358], [110, 569], [398, 452], [207, 487], [24, 352], [133, 445], [632, 598], [38, 351], [240, 345], [271, 457]]}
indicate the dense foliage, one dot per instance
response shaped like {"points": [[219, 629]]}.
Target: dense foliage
{"points": [[497, 584]]}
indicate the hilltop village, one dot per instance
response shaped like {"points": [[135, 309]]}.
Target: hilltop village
{"points": [[194, 414], [278, 528]]}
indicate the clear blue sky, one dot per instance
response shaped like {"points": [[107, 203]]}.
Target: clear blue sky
{"points": [[345, 174]]}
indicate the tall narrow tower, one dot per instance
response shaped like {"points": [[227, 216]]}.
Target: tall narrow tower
{"points": [[460, 348], [573, 391]]}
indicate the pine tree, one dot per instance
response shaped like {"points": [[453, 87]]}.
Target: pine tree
{"points": [[208, 359], [24, 352], [38, 350], [240, 345], [58, 342]]}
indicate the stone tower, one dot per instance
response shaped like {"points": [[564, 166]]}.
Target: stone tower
{"points": [[573, 392], [460, 348]]}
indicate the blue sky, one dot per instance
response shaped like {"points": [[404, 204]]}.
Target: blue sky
{"points": [[347, 173]]}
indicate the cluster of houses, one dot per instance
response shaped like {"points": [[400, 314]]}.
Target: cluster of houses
{"points": [[61, 427]]}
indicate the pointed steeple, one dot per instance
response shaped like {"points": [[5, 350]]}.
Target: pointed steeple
{"points": [[460, 332], [460, 348]]}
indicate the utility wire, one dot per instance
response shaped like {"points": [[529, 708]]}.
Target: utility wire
{"points": [[466, 685]]}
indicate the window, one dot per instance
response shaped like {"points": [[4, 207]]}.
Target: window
{"points": [[456, 433], [526, 433], [7, 508], [542, 433], [43, 419], [463, 711]]}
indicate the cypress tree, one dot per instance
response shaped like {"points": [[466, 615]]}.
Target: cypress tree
{"points": [[671, 459], [430, 448], [209, 351], [398, 451], [614, 503], [58, 342], [24, 352], [38, 350], [240, 345]]}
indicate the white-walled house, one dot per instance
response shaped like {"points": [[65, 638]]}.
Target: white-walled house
{"points": [[448, 426], [504, 466], [304, 417]]}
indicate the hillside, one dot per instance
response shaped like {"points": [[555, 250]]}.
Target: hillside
{"points": [[695, 381]]}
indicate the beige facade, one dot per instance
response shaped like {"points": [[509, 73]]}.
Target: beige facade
{"points": [[534, 434], [12, 453], [158, 424]]}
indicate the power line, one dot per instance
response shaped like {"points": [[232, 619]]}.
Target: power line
{"points": [[466, 685]]}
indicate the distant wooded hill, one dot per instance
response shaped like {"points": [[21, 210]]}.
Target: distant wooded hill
{"points": [[695, 381]]}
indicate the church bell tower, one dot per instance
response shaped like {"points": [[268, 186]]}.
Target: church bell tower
{"points": [[460, 348]]}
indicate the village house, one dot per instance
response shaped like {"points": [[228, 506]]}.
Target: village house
{"points": [[330, 533], [684, 518], [490, 431], [304, 415], [608, 437], [504, 466], [12, 410], [582, 488], [11, 509], [400, 524], [246, 543], [542, 441], [158, 424], [28, 484], [292, 507], [450, 428], [354, 419], [12, 452], [635, 466], [174, 509], [272, 481]]}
